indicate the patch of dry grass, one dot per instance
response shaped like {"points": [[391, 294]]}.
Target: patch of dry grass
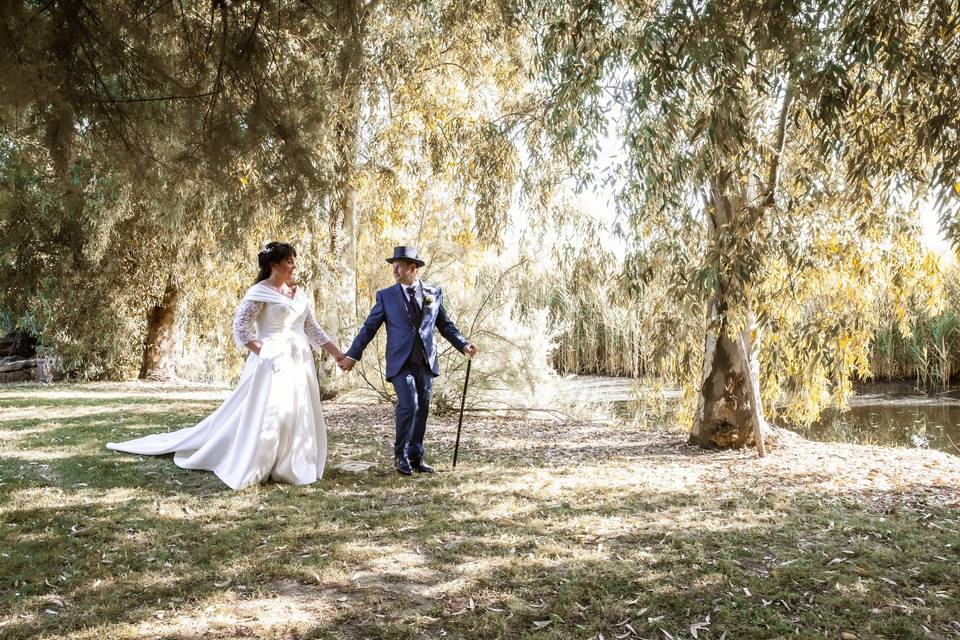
{"points": [[545, 530]]}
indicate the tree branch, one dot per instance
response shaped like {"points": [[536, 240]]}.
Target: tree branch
{"points": [[152, 98], [778, 146]]}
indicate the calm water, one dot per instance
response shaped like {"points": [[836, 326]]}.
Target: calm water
{"points": [[891, 414], [894, 414]]}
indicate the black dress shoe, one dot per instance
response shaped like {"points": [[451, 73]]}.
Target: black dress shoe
{"points": [[403, 466], [421, 467]]}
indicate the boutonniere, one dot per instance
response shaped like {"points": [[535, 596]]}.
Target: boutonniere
{"points": [[428, 299]]}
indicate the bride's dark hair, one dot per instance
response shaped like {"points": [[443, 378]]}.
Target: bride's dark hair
{"points": [[271, 254]]}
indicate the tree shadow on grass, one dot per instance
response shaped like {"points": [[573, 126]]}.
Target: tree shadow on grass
{"points": [[103, 427], [546, 455], [115, 558], [815, 562], [821, 567], [105, 471], [520, 542]]}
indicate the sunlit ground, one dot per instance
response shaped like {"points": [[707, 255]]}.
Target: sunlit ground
{"points": [[544, 530]]}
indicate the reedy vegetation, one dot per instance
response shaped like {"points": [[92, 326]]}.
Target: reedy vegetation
{"points": [[924, 345]]}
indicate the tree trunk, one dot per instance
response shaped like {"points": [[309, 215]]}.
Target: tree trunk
{"points": [[342, 292], [730, 410], [343, 248], [159, 345]]}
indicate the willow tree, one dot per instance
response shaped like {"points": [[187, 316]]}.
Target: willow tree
{"points": [[152, 136], [769, 148], [416, 90], [208, 118]]}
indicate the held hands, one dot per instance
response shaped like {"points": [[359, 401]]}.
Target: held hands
{"points": [[342, 360], [470, 350], [345, 363]]}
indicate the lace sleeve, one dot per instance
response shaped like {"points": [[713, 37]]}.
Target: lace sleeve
{"points": [[247, 312], [314, 333]]}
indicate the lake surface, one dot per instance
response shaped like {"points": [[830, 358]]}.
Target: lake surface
{"points": [[894, 414], [889, 414]]}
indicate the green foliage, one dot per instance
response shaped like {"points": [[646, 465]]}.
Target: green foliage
{"points": [[767, 149], [187, 135], [175, 134]]}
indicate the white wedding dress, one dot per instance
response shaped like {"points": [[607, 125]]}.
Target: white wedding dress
{"points": [[272, 424]]}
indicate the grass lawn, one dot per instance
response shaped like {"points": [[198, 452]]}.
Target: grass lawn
{"points": [[545, 530]]}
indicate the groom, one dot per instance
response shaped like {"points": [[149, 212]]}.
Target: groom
{"points": [[411, 310]]}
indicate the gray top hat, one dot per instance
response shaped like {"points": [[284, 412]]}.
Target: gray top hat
{"points": [[406, 253]]}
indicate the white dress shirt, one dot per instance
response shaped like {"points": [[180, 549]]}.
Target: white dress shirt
{"points": [[418, 291]]}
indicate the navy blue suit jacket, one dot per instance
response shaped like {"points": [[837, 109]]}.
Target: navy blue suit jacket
{"points": [[391, 308]]}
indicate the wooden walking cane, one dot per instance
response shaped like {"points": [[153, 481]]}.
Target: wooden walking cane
{"points": [[463, 400]]}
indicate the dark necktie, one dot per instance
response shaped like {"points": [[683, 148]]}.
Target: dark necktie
{"points": [[414, 305]]}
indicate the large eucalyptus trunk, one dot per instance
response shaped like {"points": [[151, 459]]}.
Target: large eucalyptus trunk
{"points": [[159, 345], [341, 297], [730, 410]]}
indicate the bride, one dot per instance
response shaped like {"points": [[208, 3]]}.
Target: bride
{"points": [[272, 424]]}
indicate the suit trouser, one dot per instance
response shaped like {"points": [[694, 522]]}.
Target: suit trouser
{"points": [[413, 385]]}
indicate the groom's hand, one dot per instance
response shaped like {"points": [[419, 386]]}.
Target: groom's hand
{"points": [[346, 363], [470, 350]]}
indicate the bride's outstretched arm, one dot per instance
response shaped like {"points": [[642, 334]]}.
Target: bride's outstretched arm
{"points": [[243, 331], [318, 338]]}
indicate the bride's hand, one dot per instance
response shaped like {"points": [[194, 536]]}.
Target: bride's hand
{"points": [[254, 345]]}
